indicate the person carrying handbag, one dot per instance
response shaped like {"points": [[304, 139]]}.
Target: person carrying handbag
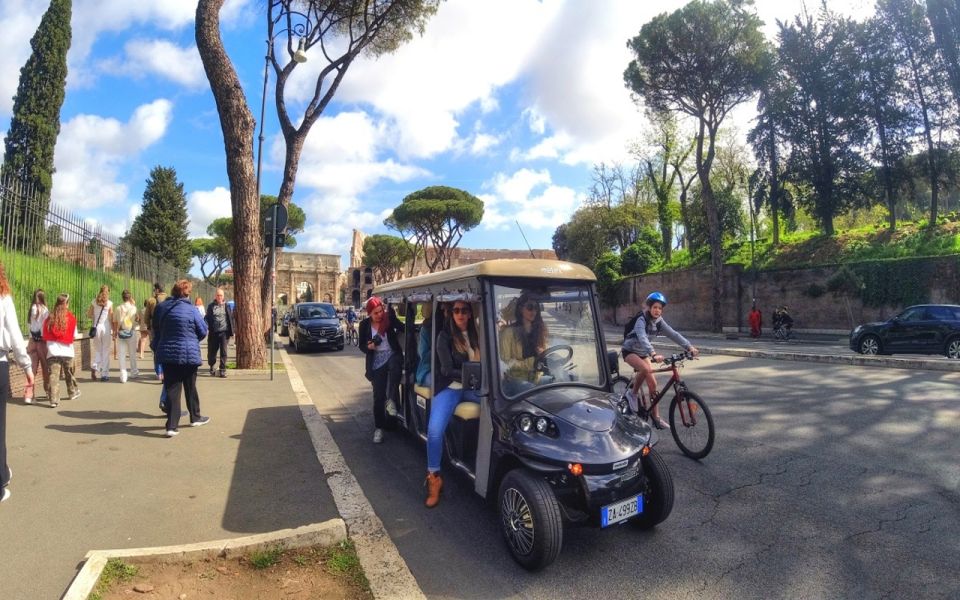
{"points": [[101, 334], [36, 347], [125, 320]]}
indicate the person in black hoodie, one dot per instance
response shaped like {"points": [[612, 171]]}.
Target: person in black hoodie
{"points": [[384, 361]]}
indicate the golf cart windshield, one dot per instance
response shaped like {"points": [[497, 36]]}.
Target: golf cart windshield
{"points": [[546, 335]]}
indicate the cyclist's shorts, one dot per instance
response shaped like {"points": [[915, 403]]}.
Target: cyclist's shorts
{"points": [[626, 353]]}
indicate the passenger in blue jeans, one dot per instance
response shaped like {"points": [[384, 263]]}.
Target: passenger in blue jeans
{"points": [[456, 344]]}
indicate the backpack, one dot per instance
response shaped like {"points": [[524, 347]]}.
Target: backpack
{"points": [[628, 328]]}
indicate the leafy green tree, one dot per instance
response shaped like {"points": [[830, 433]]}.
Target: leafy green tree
{"points": [[588, 235], [607, 270], [438, 216], [161, 227], [560, 244], [944, 17], [35, 125], [343, 30], [702, 60], [95, 248], [54, 235], [824, 120], [670, 151], [922, 70], [386, 255], [768, 182], [885, 95], [643, 254], [213, 255]]}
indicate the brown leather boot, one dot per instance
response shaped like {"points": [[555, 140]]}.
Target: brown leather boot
{"points": [[434, 484]]}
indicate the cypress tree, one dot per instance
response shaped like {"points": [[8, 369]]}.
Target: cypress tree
{"points": [[28, 148], [161, 227]]}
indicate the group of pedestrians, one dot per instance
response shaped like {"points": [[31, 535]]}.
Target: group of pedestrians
{"points": [[172, 325]]}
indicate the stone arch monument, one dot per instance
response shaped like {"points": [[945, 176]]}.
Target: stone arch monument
{"points": [[314, 276]]}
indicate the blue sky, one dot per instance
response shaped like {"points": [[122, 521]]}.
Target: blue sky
{"points": [[511, 100]]}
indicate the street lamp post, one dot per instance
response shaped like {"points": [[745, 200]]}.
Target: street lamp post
{"points": [[300, 56]]}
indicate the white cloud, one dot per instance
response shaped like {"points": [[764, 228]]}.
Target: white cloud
{"points": [[529, 197], [91, 151], [483, 142], [422, 88], [18, 20], [204, 206], [145, 57]]}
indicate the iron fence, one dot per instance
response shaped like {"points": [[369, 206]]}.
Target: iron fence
{"points": [[60, 252]]}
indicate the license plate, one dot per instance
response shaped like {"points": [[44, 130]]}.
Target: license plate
{"points": [[618, 511]]}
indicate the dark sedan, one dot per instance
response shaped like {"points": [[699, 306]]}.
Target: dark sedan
{"points": [[921, 329], [315, 324]]}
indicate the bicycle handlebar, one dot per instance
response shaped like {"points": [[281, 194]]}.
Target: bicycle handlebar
{"points": [[677, 358]]}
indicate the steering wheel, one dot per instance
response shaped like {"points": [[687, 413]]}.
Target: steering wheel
{"points": [[546, 362]]}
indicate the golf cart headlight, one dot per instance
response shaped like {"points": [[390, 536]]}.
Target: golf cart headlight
{"points": [[526, 423], [543, 425]]}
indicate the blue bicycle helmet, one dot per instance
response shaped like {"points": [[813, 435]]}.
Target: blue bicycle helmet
{"points": [[656, 297]]}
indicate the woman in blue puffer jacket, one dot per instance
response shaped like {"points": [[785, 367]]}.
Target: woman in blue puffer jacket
{"points": [[178, 329]]}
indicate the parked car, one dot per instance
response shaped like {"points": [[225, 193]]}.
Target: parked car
{"points": [[920, 329], [315, 324]]}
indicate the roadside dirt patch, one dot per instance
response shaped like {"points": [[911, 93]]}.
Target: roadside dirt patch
{"points": [[294, 574]]}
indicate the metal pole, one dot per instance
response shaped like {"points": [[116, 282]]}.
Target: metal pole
{"points": [[273, 280], [263, 106]]}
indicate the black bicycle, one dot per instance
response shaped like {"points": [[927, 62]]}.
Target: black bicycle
{"points": [[690, 420]]}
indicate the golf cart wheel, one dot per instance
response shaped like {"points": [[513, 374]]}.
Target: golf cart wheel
{"points": [[658, 499], [530, 519]]}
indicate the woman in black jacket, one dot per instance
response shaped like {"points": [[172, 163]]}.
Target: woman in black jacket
{"points": [[457, 344], [384, 361]]}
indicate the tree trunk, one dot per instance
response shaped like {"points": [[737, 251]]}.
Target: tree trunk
{"points": [[713, 219], [237, 125]]}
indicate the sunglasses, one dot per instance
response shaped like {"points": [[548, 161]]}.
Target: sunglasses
{"points": [[462, 310], [531, 306]]}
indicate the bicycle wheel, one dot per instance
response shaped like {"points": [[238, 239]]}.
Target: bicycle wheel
{"points": [[691, 424], [619, 385]]}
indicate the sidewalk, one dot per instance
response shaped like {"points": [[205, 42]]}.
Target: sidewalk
{"points": [[97, 472], [804, 347]]}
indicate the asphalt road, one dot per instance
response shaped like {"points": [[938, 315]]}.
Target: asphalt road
{"points": [[826, 481]]}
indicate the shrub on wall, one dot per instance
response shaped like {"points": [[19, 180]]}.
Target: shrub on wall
{"points": [[895, 282], [814, 290]]}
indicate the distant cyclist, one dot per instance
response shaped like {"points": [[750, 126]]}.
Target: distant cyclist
{"points": [[782, 323], [351, 317], [638, 352]]}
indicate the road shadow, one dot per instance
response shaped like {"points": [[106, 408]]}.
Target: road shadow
{"points": [[277, 480]]}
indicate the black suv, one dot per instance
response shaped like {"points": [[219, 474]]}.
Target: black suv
{"points": [[315, 324], [920, 329]]}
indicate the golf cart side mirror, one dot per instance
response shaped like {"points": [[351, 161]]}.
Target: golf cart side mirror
{"points": [[613, 362]]}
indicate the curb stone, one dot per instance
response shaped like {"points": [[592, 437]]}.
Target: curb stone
{"points": [[840, 359], [317, 534]]}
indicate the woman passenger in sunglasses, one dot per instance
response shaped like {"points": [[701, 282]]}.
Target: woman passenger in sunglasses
{"points": [[520, 343], [456, 344]]}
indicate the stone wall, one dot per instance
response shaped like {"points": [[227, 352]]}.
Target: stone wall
{"points": [[689, 294]]}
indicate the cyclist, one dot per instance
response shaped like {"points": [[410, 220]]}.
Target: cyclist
{"points": [[782, 323], [351, 319], [638, 352]]}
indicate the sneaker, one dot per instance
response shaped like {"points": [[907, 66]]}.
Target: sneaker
{"points": [[200, 422], [659, 423], [54, 404], [172, 432], [28, 400], [123, 379], [135, 374], [75, 395], [9, 474], [213, 373], [223, 373], [377, 436], [632, 400], [6, 495], [104, 378], [391, 408]]}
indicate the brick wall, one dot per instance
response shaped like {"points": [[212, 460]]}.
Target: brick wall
{"points": [[81, 360], [690, 297]]}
